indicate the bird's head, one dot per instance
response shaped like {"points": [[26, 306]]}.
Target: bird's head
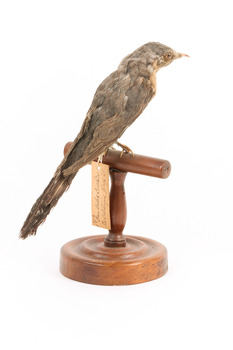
{"points": [[149, 58], [163, 55]]}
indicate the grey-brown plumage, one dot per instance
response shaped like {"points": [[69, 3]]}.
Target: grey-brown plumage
{"points": [[118, 101]]}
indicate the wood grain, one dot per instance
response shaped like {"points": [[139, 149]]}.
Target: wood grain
{"points": [[88, 260]]}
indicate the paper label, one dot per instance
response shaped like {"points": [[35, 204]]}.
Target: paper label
{"points": [[100, 195]]}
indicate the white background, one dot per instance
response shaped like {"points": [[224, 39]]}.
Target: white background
{"points": [[53, 55]]}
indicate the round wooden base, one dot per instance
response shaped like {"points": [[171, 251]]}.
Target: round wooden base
{"points": [[88, 260]]}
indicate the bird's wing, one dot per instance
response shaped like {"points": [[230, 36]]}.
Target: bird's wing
{"points": [[102, 139], [122, 101]]}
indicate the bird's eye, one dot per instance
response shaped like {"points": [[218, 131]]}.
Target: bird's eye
{"points": [[168, 56]]}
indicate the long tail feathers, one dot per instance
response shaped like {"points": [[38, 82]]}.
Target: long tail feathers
{"points": [[49, 198]]}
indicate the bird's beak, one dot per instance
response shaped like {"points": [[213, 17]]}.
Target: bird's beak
{"points": [[179, 55]]}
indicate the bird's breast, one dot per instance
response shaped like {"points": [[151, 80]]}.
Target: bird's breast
{"points": [[153, 81]]}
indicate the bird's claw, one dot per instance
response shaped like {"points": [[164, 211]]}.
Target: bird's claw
{"points": [[125, 149]]}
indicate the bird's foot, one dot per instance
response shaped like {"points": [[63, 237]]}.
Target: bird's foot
{"points": [[125, 149]]}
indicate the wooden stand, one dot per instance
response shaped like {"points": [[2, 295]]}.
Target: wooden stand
{"points": [[117, 259]]}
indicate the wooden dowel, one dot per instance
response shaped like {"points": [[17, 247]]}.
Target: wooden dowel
{"points": [[138, 164]]}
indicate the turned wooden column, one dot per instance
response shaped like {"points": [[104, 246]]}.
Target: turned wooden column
{"points": [[118, 210]]}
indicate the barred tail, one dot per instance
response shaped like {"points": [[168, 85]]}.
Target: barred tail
{"points": [[49, 198]]}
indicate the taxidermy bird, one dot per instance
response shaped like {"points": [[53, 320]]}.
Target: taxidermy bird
{"points": [[118, 101]]}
